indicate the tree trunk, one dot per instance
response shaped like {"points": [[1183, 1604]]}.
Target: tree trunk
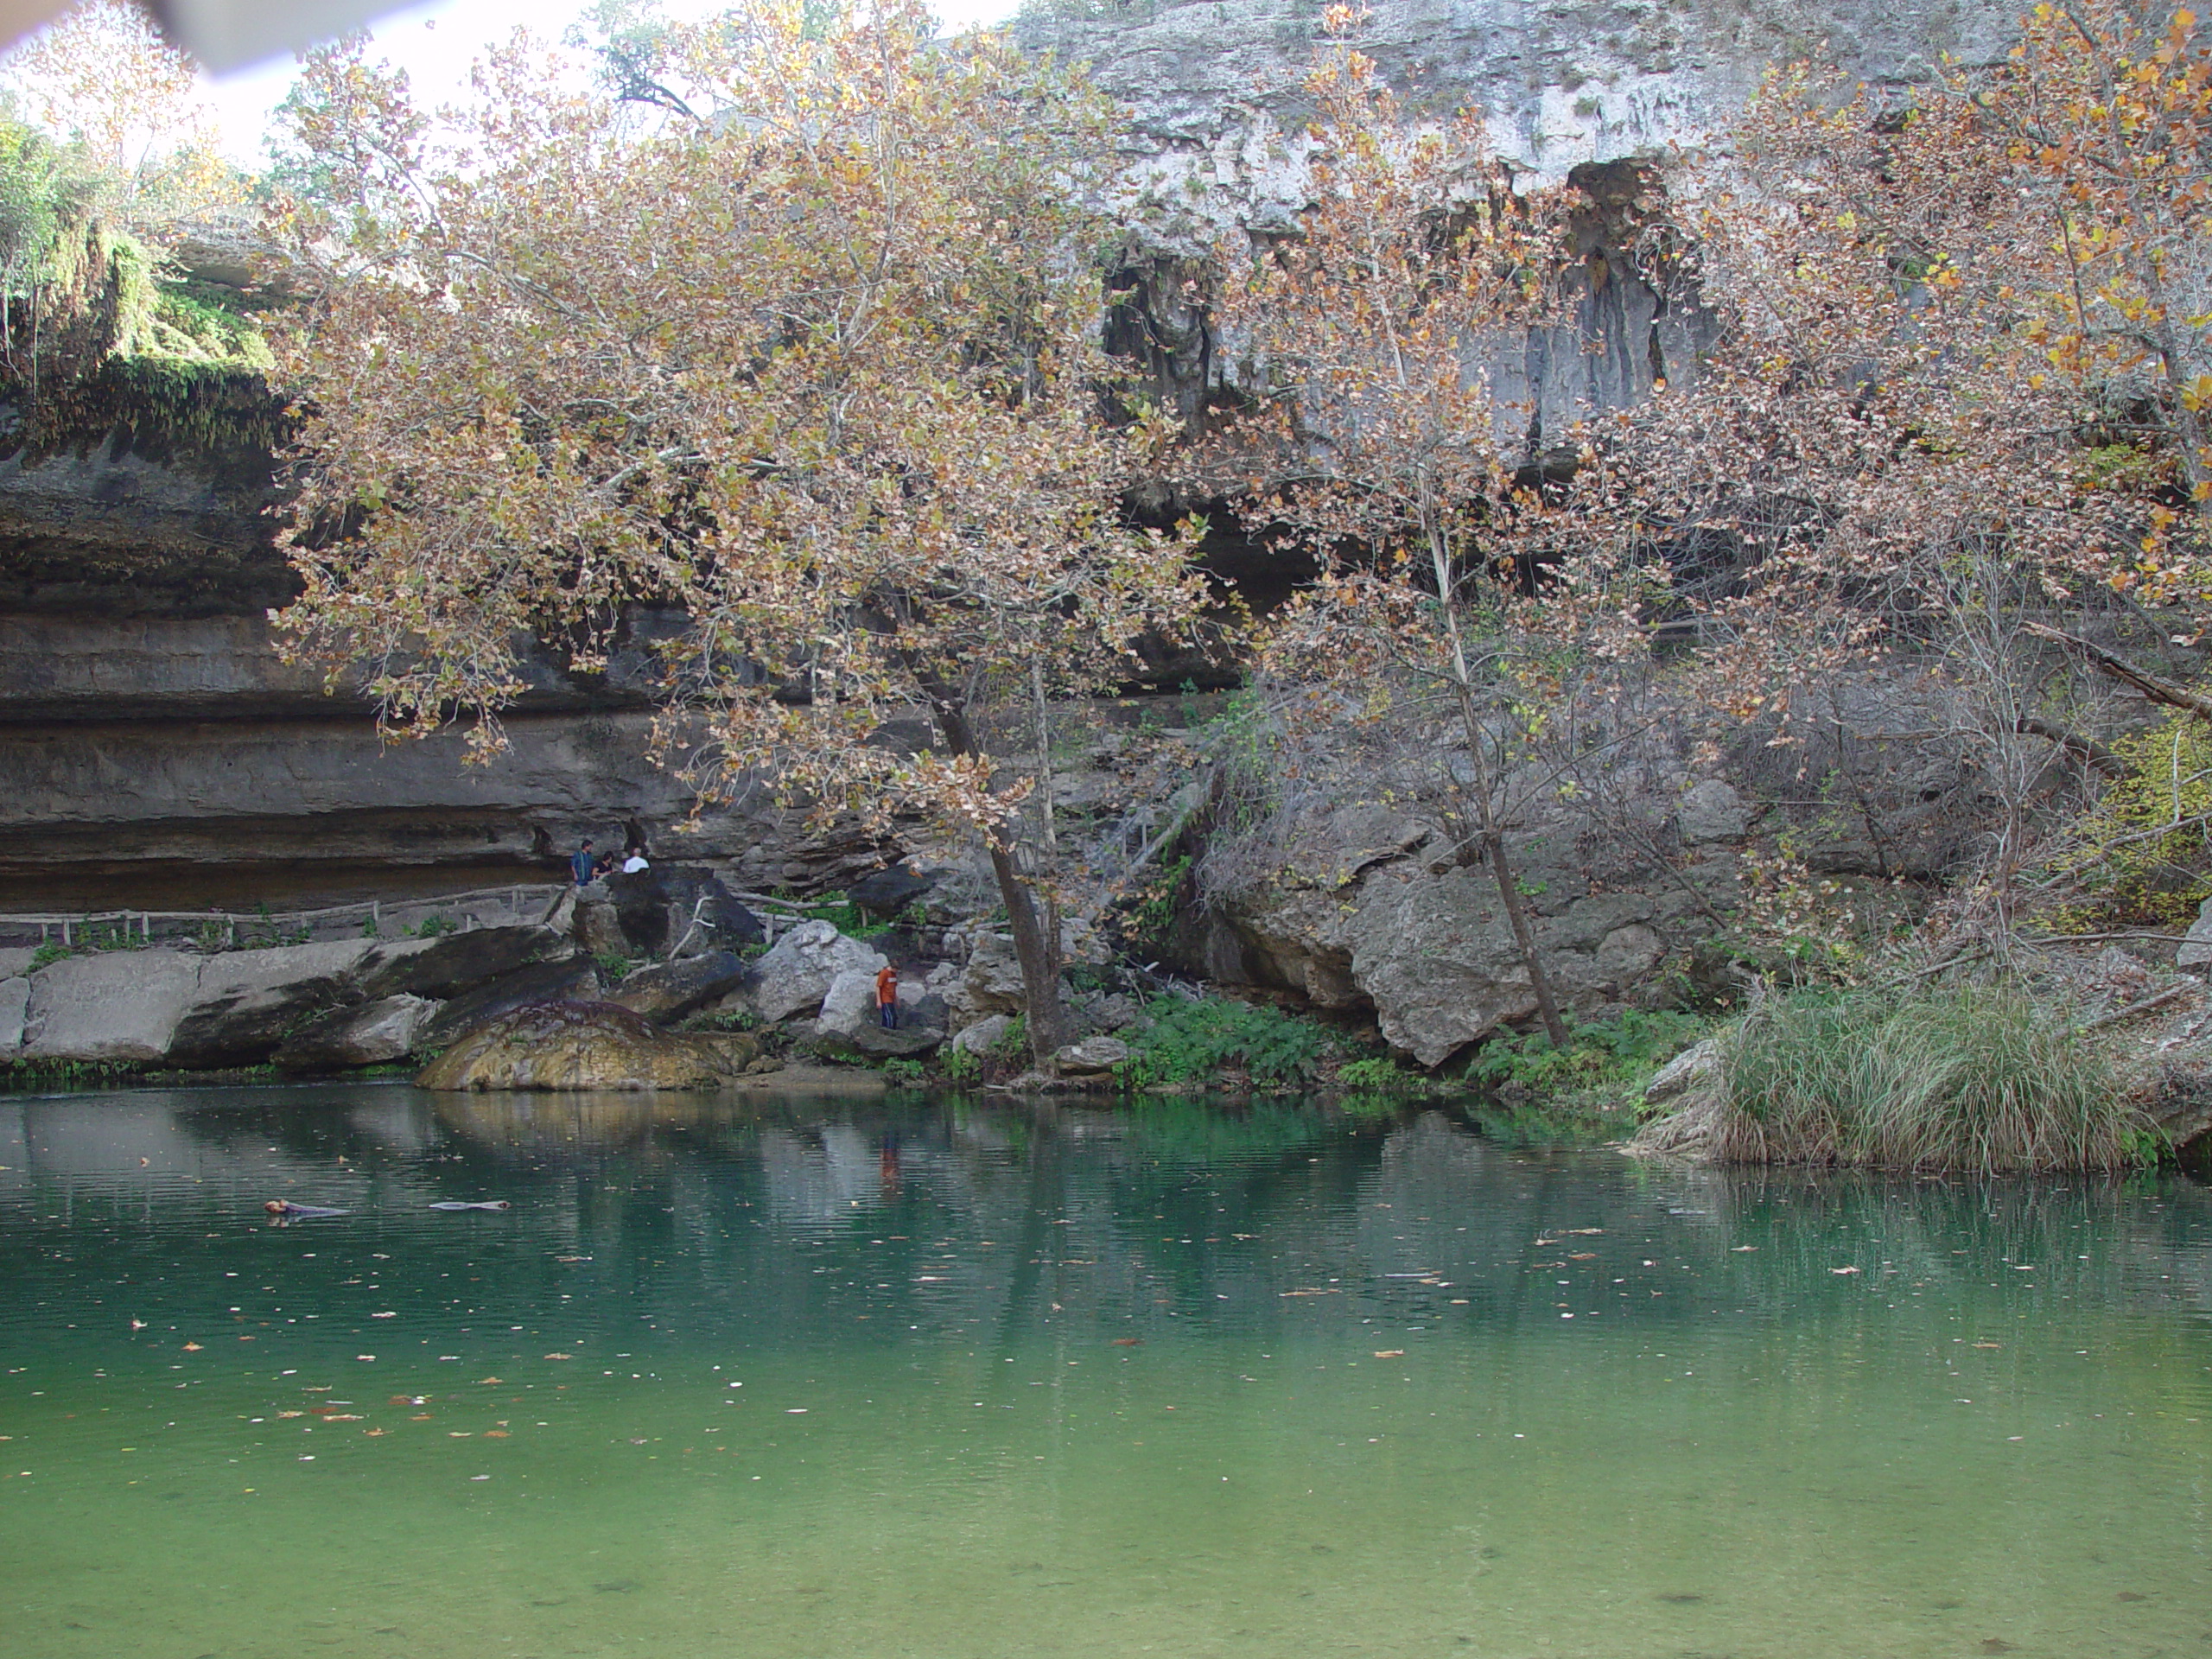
{"points": [[1035, 926], [1492, 836], [1525, 935], [1034, 922]]}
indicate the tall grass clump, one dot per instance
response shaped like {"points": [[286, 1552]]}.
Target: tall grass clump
{"points": [[1971, 1078]]}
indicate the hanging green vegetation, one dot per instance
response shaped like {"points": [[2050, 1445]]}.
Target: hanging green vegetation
{"points": [[98, 335]]}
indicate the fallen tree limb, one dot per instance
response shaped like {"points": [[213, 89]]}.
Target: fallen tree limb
{"points": [[2153, 686], [2172, 993], [2086, 750]]}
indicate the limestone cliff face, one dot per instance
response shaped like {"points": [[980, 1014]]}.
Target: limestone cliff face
{"points": [[155, 752], [1216, 100], [1587, 94]]}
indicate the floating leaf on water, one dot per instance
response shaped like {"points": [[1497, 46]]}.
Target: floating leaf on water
{"points": [[373, 1433], [291, 1414], [191, 1347], [497, 1434], [560, 1356], [1129, 1341], [1740, 1249], [1843, 1270]]}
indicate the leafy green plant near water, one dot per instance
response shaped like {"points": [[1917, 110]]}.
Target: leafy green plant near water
{"points": [[1985, 1078], [1190, 1042], [1603, 1065]]}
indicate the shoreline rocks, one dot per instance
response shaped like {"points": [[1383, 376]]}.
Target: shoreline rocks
{"points": [[597, 1045], [161, 1005]]}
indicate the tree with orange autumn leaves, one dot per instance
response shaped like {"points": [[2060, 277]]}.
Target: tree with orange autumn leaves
{"points": [[806, 346], [1954, 395], [1385, 443], [810, 359], [1956, 404]]}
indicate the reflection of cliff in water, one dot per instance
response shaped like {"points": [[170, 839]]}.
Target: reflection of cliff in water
{"points": [[554, 1125], [888, 1215]]}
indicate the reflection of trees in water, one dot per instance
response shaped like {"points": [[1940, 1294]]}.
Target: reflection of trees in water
{"points": [[856, 1219]]}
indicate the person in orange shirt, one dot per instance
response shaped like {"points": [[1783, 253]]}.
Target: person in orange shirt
{"points": [[886, 997]]}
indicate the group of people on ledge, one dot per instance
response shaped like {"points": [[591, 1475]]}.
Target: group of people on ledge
{"points": [[588, 866]]}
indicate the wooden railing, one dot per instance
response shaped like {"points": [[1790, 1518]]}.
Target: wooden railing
{"points": [[221, 930], [227, 929]]}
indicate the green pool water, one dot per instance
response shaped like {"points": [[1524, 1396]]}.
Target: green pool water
{"points": [[947, 1379]]}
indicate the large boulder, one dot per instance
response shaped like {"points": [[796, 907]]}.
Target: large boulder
{"points": [[991, 982], [1116, 1011], [900, 1042], [983, 1035], [669, 989], [15, 1003], [452, 962], [1711, 811], [874, 1042], [575, 979], [584, 1046], [888, 893], [1434, 955], [849, 1003], [797, 973], [2196, 950], [119, 1005], [1091, 1056], [246, 1002], [597, 925], [657, 906], [371, 1034]]}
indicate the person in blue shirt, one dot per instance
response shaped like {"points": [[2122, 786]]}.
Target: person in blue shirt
{"points": [[583, 864]]}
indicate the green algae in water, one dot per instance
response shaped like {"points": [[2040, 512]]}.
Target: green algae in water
{"points": [[829, 1379]]}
